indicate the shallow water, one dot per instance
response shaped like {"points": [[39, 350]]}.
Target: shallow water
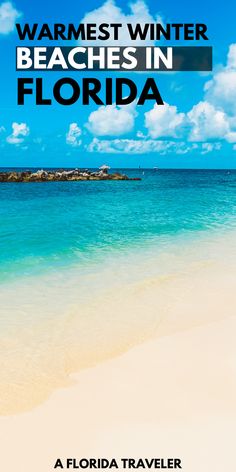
{"points": [[50, 226]]}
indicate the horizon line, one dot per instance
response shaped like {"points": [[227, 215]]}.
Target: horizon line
{"points": [[122, 168]]}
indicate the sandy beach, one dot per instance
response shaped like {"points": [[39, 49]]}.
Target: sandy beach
{"points": [[169, 392], [169, 398]]}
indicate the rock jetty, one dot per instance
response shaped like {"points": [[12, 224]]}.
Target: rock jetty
{"points": [[62, 175]]}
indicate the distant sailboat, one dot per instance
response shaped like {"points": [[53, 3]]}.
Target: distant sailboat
{"points": [[155, 168]]}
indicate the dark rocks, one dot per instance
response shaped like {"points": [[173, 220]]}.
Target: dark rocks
{"points": [[62, 175]]}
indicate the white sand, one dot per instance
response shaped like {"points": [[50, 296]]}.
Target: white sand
{"points": [[172, 396]]}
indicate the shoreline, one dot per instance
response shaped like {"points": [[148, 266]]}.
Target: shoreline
{"points": [[67, 335]]}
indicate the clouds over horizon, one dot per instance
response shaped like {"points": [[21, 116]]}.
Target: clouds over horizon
{"points": [[146, 146], [8, 17]]}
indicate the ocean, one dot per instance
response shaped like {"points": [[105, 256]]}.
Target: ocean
{"points": [[50, 226]]}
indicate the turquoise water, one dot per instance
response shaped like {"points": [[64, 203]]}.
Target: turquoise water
{"points": [[49, 226]]}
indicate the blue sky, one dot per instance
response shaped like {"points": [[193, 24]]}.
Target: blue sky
{"points": [[195, 128]]}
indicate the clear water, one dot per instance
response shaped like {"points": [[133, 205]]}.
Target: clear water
{"points": [[48, 226]]}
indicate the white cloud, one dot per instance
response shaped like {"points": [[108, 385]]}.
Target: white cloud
{"points": [[146, 146], [207, 122], [184, 148], [110, 13], [128, 146], [231, 58], [8, 17], [19, 132], [221, 90], [231, 137], [214, 118], [209, 147], [164, 121], [139, 146], [73, 135], [112, 120]]}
